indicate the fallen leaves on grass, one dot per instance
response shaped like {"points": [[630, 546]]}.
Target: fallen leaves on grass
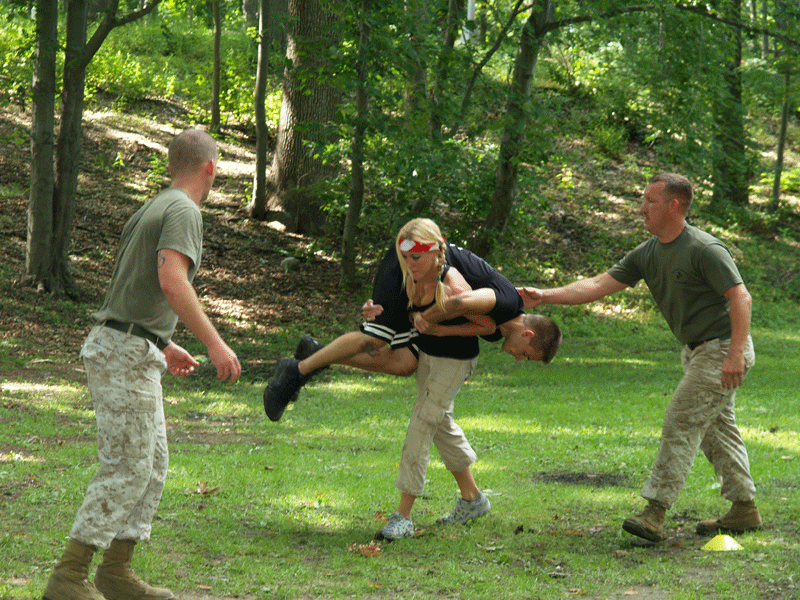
{"points": [[203, 489], [371, 550]]}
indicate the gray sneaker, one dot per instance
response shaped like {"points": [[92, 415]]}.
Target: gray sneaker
{"points": [[397, 527], [466, 510]]}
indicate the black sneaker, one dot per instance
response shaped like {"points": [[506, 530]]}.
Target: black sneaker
{"points": [[306, 347], [283, 388]]}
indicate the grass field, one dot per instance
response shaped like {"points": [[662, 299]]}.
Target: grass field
{"points": [[255, 509]]}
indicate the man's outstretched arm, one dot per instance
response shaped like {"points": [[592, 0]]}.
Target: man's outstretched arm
{"points": [[582, 291]]}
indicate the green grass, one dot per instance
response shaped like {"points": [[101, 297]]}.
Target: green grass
{"points": [[257, 509]]}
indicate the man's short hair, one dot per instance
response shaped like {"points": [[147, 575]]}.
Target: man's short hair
{"points": [[548, 336], [678, 186], [190, 151]]}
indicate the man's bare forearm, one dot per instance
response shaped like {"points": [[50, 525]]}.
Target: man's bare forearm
{"points": [[473, 302]]}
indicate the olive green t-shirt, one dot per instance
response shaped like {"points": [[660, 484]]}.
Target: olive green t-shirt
{"points": [[173, 221], [688, 279]]}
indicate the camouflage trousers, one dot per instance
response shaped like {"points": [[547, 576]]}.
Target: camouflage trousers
{"points": [[124, 378], [700, 416], [438, 382]]}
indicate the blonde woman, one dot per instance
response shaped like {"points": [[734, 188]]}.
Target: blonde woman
{"points": [[445, 362]]}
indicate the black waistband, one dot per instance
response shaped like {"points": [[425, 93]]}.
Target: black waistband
{"points": [[693, 345], [138, 331]]}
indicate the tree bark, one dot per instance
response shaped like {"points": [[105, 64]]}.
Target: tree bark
{"points": [[307, 110], [257, 208], [55, 276], [40, 203], [68, 149], [514, 134]]}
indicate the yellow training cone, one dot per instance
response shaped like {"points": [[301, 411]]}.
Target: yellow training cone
{"points": [[722, 543]]}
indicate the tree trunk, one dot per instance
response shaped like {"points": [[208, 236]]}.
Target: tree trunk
{"points": [[307, 109], [68, 149], [216, 76], [258, 205], [731, 175], [250, 12], [349, 279], [514, 134], [77, 55], [775, 201], [785, 64], [40, 204], [279, 16]]}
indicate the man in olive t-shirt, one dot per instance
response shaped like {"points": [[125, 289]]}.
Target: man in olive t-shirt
{"points": [[700, 293], [125, 355]]}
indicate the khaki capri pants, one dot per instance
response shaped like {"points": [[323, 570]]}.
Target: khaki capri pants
{"points": [[438, 382]]}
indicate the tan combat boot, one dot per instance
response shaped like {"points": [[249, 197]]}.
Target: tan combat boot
{"points": [[117, 581], [69, 580], [743, 516], [649, 523]]}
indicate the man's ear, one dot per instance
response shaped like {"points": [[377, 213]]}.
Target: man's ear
{"points": [[528, 334], [210, 167]]}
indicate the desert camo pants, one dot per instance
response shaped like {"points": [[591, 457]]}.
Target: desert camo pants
{"points": [[438, 382], [124, 378], [701, 416]]}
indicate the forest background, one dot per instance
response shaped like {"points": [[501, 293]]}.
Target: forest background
{"points": [[528, 131]]}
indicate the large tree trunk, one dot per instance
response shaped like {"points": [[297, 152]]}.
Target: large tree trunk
{"points": [[77, 55], [307, 110], [257, 208], [250, 11], [70, 135], [40, 204], [275, 31], [356, 158], [731, 171], [514, 134]]}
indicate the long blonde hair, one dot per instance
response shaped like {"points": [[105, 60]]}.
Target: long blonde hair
{"points": [[424, 231]]}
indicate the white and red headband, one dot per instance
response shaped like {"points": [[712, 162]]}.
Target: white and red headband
{"points": [[416, 247]]}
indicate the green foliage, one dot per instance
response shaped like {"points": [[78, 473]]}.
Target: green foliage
{"points": [[17, 42], [158, 169], [790, 179], [410, 176], [171, 57], [125, 78]]}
